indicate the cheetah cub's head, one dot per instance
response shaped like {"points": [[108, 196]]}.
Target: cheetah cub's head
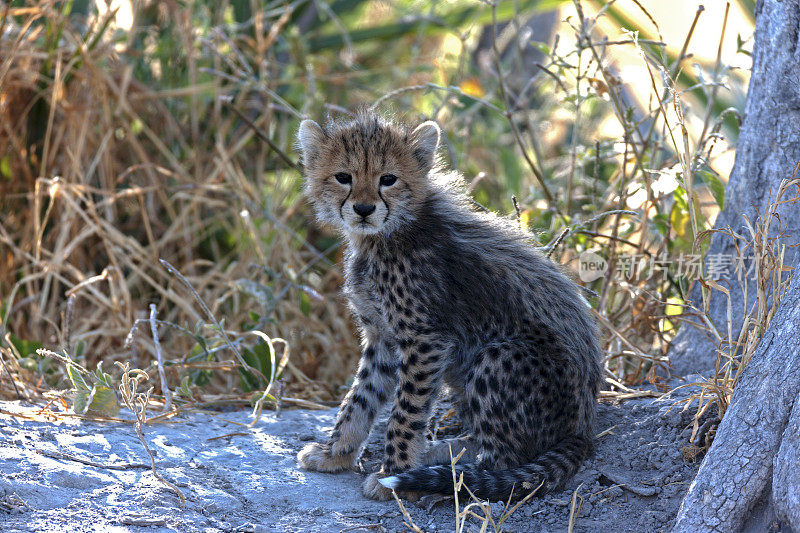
{"points": [[367, 175]]}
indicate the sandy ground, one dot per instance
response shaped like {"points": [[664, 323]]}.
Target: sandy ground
{"points": [[237, 478]]}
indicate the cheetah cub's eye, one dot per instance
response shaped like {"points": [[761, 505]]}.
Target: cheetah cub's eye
{"points": [[388, 180], [344, 178]]}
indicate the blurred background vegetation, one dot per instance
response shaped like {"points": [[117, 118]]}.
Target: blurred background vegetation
{"points": [[134, 131]]}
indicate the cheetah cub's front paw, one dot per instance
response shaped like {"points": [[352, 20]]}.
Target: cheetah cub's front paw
{"points": [[318, 457], [373, 489]]}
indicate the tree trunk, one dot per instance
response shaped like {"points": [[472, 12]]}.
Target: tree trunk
{"points": [[767, 152], [786, 479], [755, 457], [757, 440]]}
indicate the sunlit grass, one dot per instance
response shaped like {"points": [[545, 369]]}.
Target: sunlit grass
{"points": [[173, 140]]}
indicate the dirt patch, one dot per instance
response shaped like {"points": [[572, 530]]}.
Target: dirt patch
{"points": [[238, 478]]}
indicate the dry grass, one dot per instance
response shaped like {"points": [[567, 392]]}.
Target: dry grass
{"points": [[151, 213], [137, 402], [760, 253], [154, 186], [117, 199], [633, 310]]}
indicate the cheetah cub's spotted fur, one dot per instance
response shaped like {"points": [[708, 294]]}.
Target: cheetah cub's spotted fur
{"points": [[446, 295]]}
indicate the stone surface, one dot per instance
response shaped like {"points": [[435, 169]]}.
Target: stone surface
{"points": [[238, 478]]}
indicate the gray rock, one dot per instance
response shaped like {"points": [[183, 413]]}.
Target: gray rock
{"points": [[252, 483]]}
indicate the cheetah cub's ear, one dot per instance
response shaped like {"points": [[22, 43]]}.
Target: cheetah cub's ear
{"points": [[309, 138], [425, 140]]}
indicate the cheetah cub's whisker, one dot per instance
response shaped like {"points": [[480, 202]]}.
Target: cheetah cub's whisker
{"points": [[447, 296]]}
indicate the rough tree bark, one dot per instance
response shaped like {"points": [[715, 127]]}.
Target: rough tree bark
{"points": [[757, 440], [768, 150], [786, 478], [755, 456]]}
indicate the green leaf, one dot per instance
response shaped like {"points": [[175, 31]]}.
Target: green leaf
{"points": [[102, 377], [183, 389], [80, 403], [5, 167], [715, 185], [78, 383], [103, 400], [259, 359], [661, 223], [305, 303], [542, 47]]}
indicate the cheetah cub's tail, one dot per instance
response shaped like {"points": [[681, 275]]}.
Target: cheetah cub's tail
{"points": [[550, 471]]}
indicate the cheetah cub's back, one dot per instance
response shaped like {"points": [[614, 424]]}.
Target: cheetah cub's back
{"points": [[446, 295]]}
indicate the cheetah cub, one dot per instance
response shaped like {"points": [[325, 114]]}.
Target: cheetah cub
{"points": [[445, 295]]}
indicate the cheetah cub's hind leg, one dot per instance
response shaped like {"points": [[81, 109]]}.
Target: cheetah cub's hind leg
{"points": [[439, 451], [532, 428]]}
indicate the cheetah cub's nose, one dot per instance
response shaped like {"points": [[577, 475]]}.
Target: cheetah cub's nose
{"points": [[363, 210]]}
